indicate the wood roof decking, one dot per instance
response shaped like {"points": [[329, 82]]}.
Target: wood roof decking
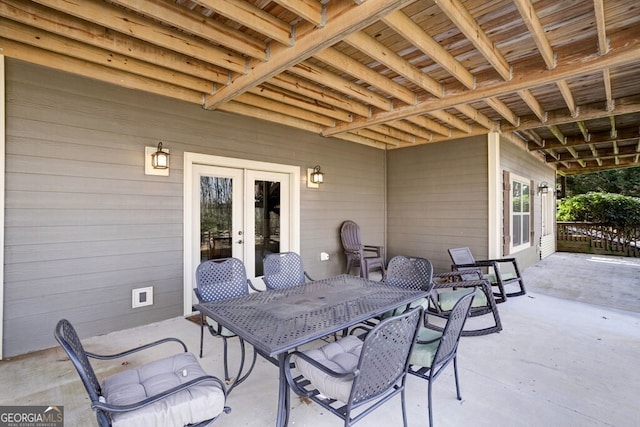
{"points": [[562, 77]]}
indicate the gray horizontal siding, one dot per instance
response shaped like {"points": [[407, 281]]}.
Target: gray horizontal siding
{"points": [[437, 199], [85, 226]]}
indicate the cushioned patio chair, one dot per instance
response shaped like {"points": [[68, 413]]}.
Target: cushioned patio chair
{"points": [[171, 392], [367, 257], [489, 269], [283, 270], [409, 273], [351, 377], [217, 280], [433, 350]]}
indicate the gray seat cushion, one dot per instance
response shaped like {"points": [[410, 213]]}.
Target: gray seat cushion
{"points": [[196, 404], [447, 298], [340, 356]]}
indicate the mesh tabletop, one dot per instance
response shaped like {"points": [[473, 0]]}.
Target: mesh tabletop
{"points": [[277, 321]]}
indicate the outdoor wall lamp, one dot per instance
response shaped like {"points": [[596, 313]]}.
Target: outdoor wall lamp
{"points": [[160, 159], [156, 160], [317, 177], [543, 188], [314, 177]]}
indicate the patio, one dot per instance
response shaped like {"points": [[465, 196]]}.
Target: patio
{"points": [[557, 361]]}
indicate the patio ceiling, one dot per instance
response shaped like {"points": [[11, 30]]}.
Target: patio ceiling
{"points": [[561, 77]]}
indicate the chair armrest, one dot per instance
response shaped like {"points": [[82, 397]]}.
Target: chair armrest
{"points": [[253, 287], [497, 260], [371, 248], [152, 399], [480, 263], [307, 276], [136, 349]]}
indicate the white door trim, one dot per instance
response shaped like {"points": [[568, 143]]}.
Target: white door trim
{"points": [[191, 159]]}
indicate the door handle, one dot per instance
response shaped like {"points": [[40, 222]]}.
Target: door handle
{"points": [[239, 241]]}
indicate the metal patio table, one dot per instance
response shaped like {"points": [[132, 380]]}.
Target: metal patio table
{"points": [[275, 322]]}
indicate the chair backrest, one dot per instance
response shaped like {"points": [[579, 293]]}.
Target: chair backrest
{"points": [[384, 359], [410, 273], [350, 236], [461, 256], [68, 339], [448, 344], [283, 270], [220, 279]]}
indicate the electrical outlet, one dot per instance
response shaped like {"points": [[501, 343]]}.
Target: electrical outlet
{"points": [[324, 256], [141, 297]]}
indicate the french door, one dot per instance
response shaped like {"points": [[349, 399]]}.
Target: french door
{"points": [[244, 211]]}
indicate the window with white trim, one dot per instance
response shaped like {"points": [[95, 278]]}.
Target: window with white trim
{"points": [[520, 201]]}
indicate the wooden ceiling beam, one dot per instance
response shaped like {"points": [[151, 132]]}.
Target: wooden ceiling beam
{"points": [[310, 10], [361, 140], [91, 70], [342, 62], [327, 78], [502, 109], [270, 116], [625, 50], [476, 116], [451, 120], [465, 22], [568, 97], [253, 17], [587, 112], [137, 26], [430, 124], [26, 35], [530, 18], [267, 91], [376, 50], [325, 96], [624, 134], [209, 29], [533, 104], [414, 34], [94, 35], [601, 27], [340, 23], [412, 128], [284, 108]]}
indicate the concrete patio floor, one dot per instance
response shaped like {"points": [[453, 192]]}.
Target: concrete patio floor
{"points": [[558, 362]]}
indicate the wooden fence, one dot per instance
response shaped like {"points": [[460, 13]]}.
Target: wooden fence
{"points": [[593, 238]]}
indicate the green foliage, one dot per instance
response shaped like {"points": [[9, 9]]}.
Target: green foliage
{"points": [[612, 209], [619, 181]]}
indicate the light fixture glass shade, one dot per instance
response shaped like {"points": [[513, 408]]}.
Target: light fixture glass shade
{"points": [[160, 159], [543, 188], [317, 177]]}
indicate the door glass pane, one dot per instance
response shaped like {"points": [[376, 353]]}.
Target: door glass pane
{"points": [[215, 217], [267, 221]]}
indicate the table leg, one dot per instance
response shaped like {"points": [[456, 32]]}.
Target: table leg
{"points": [[283, 394]]}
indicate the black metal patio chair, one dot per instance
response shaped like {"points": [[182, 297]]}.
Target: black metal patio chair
{"points": [[171, 392], [367, 257], [217, 280], [489, 269], [283, 270], [351, 377], [434, 351], [448, 288]]}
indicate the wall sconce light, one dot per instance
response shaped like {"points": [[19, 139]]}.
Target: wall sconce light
{"points": [[543, 188], [160, 159], [314, 177], [156, 160]]}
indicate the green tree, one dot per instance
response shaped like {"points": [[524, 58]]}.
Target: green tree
{"points": [[612, 209], [620, 181]]}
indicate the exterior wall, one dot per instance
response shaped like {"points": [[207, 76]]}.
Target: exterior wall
{"points": [[437, 199], [85, 226], [518, 161]]}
